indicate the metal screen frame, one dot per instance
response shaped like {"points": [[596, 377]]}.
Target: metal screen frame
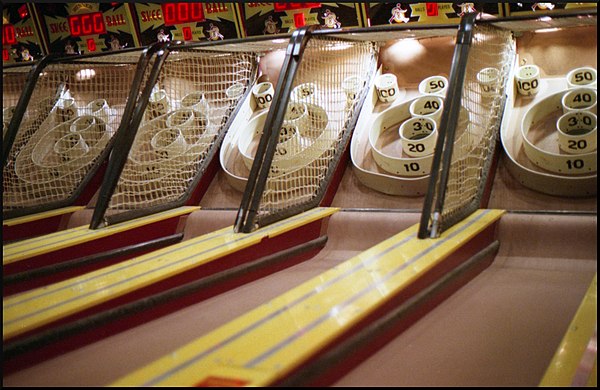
{"points": [[431, 223], [248, 211], [444, 145], [125, 140], [266, 148], [146, 54], [257, 180]]}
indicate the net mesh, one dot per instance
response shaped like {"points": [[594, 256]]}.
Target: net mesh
{"points": [[13, 83], [184, 122], [315, 129], [488, 67], [74, 111]]}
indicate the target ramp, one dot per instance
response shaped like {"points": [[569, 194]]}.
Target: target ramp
{"points": [[14, 82], [269, 343], [299, 157], [162, 163], [57, 143], [166, 160], [549, 148]]}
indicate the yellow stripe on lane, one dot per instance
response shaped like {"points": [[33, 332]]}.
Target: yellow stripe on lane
{"points": [[569, 360], [263, 345], [26, 249], [35, 308], [40, 216]]}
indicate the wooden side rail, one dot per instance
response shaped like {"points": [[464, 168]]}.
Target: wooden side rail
{"points": [[36, 224], [575, 362], [82, 241], [42, 308]]}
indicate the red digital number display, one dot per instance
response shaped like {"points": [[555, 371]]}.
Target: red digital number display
{"points": [[176, 13], [8, 34], [432, 9], [187, 34], [23, 13], [280, 7], [5, 55], [91, 44], [87, 24]]}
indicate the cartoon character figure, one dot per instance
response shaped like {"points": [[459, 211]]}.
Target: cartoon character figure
{"points": [[548, 6], [115, 44], [270, 26], [398, 15], [466, 8], [331, 19], [213, 33], [69, 48], [162, 37], [25, 56]]}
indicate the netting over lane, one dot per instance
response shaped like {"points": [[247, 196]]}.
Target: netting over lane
{"points": [[195, 93], [13, 83], [315, 129], [490, 58], [187, 114], [74, 111]]}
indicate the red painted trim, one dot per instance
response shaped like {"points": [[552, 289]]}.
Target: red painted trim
{"points": [[40, 281], [204, 183], [32, 229], [336, 179], [92, 186], [487, 191], [119, 240]]}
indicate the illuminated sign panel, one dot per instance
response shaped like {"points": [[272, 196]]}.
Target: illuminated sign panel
{"points": [[21, 41], [544, 8], [80, 28], [426, 13], [281, 7], [183, 21], [275, 18]]}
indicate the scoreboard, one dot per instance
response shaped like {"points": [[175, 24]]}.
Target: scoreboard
{"points": [[179, 21], [21, 40], [31, 30], [426, 13], [274, 18], [81, 28], [545, 8]]}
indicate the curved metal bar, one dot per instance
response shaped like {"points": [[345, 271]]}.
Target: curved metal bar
{"points": [[266, 147], [127, 130], [448, 121]]}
